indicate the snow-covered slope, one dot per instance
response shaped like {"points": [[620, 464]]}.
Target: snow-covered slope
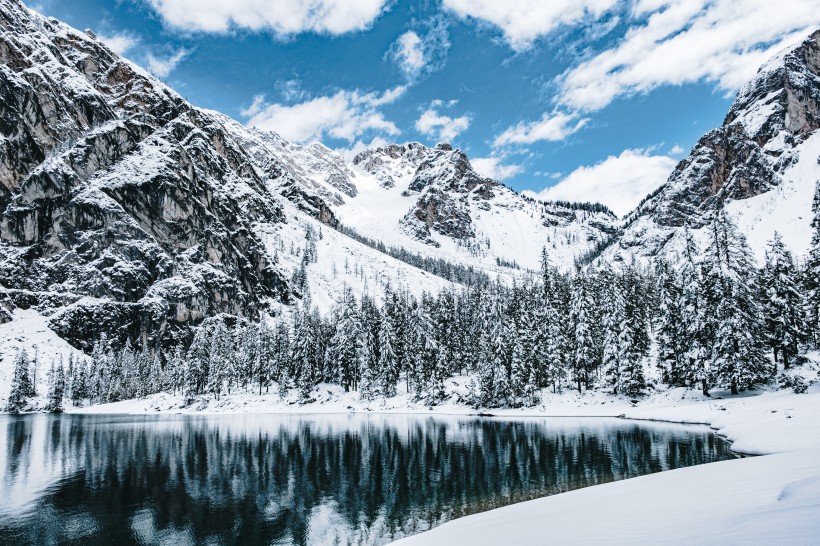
{"points": [[432, 201], [762, 164]]}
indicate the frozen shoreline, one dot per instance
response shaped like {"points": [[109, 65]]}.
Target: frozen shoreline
{"points": [[758, 500]]}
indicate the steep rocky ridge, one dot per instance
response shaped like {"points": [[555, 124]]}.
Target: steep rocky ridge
{"points": [[752, 154], [125, 210]]}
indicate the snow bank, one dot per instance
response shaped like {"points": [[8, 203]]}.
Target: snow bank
{"points": [[759, 500]]}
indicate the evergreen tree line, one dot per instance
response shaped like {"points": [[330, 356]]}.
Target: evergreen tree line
{"points": [[451, 271], [713, 320]]}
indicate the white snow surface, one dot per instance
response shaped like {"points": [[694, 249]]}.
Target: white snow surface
{"points": [[773, 499]]}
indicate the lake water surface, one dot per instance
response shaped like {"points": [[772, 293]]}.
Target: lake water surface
{"points": [[321, 479]]}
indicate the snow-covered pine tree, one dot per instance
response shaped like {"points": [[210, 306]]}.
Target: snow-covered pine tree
{"points": [[79, 383], [634, 337], [281, 355], [581, 317], [302, 355], [812, 274], [491, 347], [219, 360], [388, 363], [671, 328], [346, 343], [524, 382], [613, 320], [786, 325], [424, 354], [56, 387], [197, 364], [692, 311], [732, 308], [560, 335], [19, 384]]}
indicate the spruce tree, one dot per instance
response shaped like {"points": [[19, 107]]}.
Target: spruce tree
{"points": [[735, 316], [671, 328], [19, 384], [388, 362], [692, 309], [786, 326], [583, 343], [613, 321], [56, 388], [812, 275]]}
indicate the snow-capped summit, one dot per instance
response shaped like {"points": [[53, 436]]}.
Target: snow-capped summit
{"points": [[761, 164], [433, 201]]}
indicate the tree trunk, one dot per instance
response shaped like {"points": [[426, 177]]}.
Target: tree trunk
{"points": [[705, 387], [734, 386]]}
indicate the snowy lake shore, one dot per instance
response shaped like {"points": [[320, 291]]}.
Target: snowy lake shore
{"points": [[770, 499], [774, 499]]}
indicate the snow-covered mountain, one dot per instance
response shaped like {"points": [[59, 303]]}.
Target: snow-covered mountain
{"points": [[761, 164], [126, 210], [431, 198]]}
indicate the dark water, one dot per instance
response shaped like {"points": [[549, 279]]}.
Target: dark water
{"points": [[304, 479]]}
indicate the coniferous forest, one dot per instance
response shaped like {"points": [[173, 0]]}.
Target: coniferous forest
{"points": [[710, 319]]}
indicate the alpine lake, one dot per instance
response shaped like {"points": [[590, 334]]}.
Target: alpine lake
{"points": [[305, 479]]}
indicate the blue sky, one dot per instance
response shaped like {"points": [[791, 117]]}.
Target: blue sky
{"points": [[575, 99]]}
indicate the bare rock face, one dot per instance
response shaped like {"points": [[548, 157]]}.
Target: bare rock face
{"points": [[393, 161], [446, 183], [135, 207]]}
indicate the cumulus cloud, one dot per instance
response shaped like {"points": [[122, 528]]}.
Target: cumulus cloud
{"points": [[345, 115], [417, 54], [523, 21], [493, 167], [551, 127], [674, 42], [282, 17], [441, 126], [620, 182], [118, 43], [161, 67]]}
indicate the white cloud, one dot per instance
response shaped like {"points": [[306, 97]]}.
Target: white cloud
{"points": [[522, 21], [441, 126], [282, 17], [686, 41], [162, 67], [551, 127], [676, 150], [345, 115], [418, 54], [409, 53], [492, 167], [620, 182], [119, 43]]}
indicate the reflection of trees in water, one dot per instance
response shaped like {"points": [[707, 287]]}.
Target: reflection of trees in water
{"points": [[265, 485]]}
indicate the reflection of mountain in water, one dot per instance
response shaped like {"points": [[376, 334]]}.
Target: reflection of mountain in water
{"points": [[271, 479]]}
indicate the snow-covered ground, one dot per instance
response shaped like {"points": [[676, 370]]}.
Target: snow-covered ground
{"points": [[759, 500]]}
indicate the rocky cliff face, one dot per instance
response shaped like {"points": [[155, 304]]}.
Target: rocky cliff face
{"points": [[125, 210], [746, 157]]}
